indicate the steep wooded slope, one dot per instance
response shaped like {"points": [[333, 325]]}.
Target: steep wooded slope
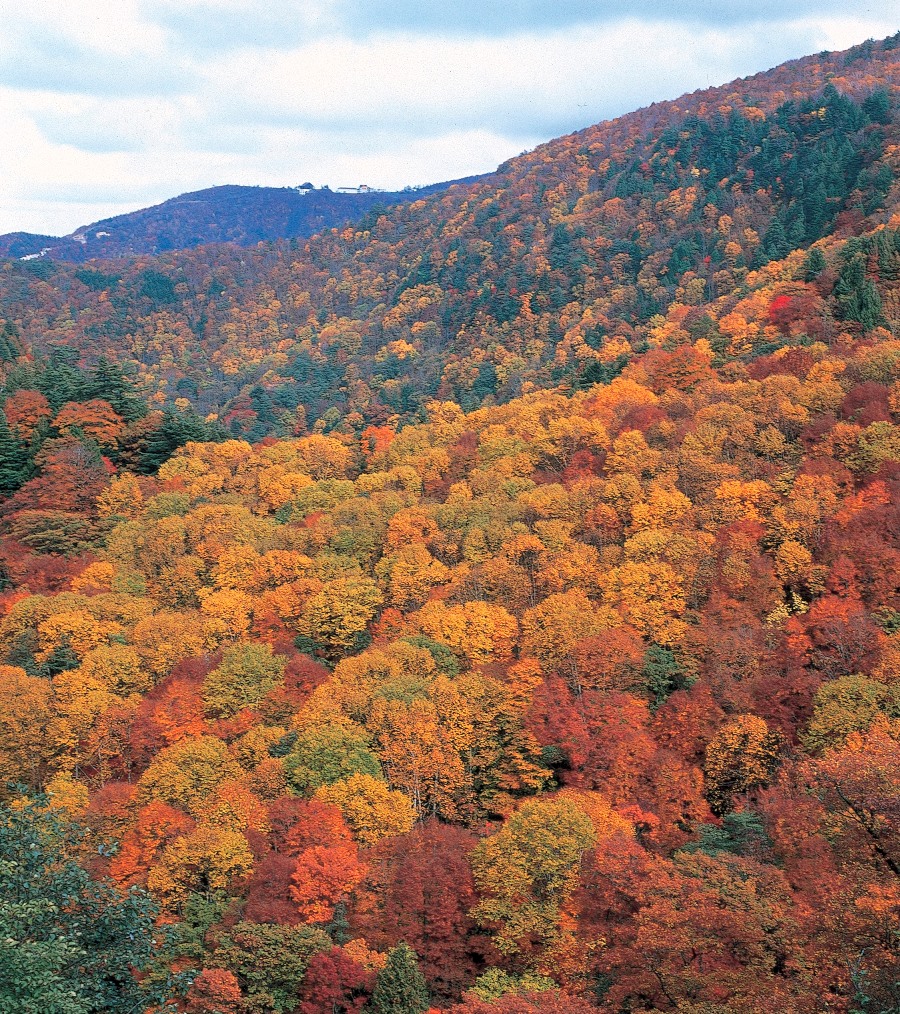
{"points": [[540, 689], [550, 272]]}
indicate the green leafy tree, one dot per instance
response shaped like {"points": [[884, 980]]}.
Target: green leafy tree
{"points": [[740, 834], [270, 962], [327, 753], [69, 944], [183, 946], [663, 674], [246, 674], [496, 983]]}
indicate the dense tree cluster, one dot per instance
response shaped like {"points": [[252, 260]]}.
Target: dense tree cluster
{"points": [[586, 700], [63, 431], [593, 692]]}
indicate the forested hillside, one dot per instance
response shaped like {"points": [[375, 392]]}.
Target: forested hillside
{"points": [[523, 635], [551, 271]]}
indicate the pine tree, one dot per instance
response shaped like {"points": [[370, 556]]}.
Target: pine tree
{"points": [[887, 243], [878, 106], [13, 459], [9, 344], [776, 241], [108, 381], [796, 231], [813, 265], [400, 987], [176, 429], [857, 297], [61, 381]]}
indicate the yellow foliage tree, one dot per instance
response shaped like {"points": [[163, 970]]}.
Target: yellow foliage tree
{"points": [[247, 672], [97, 577], [76, 630], [122, 498], [340, 612], [229, 614], [187, 773], [418, 756], [742, 755], [168, 637], [208, 859], [409, 575], [475, 631], [67, 795], [527, 870], [372, 810], [649, 596], [553, 628], [119, 668], [27, 730], [234, 808]]}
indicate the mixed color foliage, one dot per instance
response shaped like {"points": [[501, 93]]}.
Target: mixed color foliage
{"points": [[576, 690]]}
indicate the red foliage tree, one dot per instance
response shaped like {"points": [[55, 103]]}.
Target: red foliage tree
{"points": [[423, 892], [335, 983]]}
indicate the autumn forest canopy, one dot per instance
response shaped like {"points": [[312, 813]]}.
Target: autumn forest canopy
{"points": [[491, 606]]}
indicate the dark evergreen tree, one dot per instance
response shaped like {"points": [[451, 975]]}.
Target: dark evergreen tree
{"points": [[176, 429], [856, 294], [262, 403], [400, 987], [813, 265], [887, 243], [60, 380], [739, 834], [157, 287], [9, 344], [776, 241], [109, 382], [14, 462], [663, 674], [878, 106]]}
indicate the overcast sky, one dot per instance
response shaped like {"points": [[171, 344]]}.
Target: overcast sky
{"points": [[111, 105]]}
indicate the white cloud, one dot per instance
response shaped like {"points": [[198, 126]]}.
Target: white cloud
{"points": [[108, 109], [109, 28]]}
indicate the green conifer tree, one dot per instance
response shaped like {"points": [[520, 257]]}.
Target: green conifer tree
{"points": [[14, 464], [813, 265], [176, 429], [9, 344], [109, 382], [400, 987], [856, 294]]}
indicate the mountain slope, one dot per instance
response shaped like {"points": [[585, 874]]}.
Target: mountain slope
{"points": [[551, 271], [585, 701], [618, 666]]}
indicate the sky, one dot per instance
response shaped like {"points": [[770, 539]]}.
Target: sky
{"points": [[111, 105]]}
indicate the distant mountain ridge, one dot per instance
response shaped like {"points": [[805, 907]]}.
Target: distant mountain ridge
{"points": [[243, 215]]}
